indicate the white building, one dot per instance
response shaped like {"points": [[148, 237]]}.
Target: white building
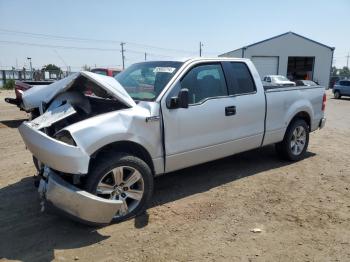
{"points": [[291, 55]]}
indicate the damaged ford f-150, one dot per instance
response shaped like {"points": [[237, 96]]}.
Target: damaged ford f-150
{"points": [[99, 141]]}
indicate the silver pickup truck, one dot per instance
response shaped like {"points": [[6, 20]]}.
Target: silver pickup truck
{"points": [[100, 141]]}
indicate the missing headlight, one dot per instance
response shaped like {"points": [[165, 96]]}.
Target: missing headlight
{"points": [[65, 137]]}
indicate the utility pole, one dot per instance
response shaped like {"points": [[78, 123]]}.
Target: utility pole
{"points": [[200, 48], [123, 57], [31, 67], [145, 56], [347, 60]]}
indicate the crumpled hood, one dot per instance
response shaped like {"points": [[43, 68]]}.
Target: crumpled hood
{"points": [[33, 97]]}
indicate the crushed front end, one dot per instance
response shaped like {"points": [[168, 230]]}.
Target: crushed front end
{"points": [[63, 161]]}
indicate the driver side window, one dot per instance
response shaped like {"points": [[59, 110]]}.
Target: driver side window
{"points": [[204, 81]]}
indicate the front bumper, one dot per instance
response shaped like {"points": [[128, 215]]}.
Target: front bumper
{"points": [[54, 153], [322, 122], [77, 203]]}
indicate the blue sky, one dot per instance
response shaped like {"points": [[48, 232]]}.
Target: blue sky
{"points": [[174, 27]]}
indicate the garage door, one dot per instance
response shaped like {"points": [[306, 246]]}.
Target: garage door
{"points": [[266, 65]]}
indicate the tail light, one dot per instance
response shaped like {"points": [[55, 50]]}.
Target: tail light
{"points": [[324, 102]]}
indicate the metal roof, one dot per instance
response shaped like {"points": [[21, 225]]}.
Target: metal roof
{"points": [[277, 36]]}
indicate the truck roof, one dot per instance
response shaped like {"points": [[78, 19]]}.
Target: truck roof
{"points": [[214, 59], [194, 59]]}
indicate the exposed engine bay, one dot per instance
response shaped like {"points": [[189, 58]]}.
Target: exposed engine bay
{"points": [[84, 99]]}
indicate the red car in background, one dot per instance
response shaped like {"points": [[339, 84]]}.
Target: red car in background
{"points": [[106, 71]]}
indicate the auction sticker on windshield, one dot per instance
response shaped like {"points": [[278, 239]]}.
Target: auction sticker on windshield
{"points": [[159, 69]]}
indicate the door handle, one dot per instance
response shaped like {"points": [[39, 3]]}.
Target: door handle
{"points": [[230, 110]]}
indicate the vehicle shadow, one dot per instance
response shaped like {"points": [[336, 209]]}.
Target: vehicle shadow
{"points": [[204, 177], [29, 235], [13, 123]]}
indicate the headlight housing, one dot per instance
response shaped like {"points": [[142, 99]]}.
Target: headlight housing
{"points": [[65, 137]]}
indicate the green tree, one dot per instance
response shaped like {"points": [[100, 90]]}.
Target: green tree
{"points": [[344, 71], [51, 68], [10, 84], [334, 71]]}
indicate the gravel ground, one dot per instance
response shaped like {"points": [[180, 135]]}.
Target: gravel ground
{"points": [[204, 213]]}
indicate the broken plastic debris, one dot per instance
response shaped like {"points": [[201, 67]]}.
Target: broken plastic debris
{"points": [[256, 230]]}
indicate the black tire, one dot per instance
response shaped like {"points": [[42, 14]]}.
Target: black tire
{"points": [[284, 148], [33, 114], [108, 162], [337, 94], [37, 164]]}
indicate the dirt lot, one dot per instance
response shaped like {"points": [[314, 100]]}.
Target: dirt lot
{"points": [[205, 213]]}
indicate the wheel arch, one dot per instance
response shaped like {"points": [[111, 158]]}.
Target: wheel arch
{"points": [[129, 147], [301, 115]]}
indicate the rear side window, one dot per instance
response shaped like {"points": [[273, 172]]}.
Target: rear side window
{"points": [[344, 83], [241, 79]]}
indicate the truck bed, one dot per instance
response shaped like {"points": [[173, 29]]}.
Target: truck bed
{"points": [[280, 108]]}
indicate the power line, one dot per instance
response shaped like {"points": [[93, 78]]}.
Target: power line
{"points": [[48, 36], [59, 46], [61, 59], [80, 48]]}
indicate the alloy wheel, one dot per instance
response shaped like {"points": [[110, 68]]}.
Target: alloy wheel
{"points": [[298, 140], [123, 183]]}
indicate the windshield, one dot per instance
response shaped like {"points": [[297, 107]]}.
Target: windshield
{"points": [[145, 81], [280, 78]]}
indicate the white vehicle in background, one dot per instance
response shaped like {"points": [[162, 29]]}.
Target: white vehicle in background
{"points": [[278, 80], [100, 141]]}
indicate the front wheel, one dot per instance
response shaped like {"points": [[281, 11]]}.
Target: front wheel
{"points": [[122, 177], [337, 95], [295, 142]]}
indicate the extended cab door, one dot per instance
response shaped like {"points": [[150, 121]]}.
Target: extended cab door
{"points": [[219, 121]]}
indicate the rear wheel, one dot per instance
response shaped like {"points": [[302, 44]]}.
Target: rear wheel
{"points": [[337, 95], [295, 142], [122, 177]]}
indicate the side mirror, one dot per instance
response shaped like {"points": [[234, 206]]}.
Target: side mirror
{"points": [[181, 100]]}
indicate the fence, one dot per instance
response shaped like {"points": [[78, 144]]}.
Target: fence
{"points": [[25, 75]]}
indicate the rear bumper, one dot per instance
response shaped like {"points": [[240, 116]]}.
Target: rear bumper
{"points": [[77, 203], [54, 153], [322, 122]]}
